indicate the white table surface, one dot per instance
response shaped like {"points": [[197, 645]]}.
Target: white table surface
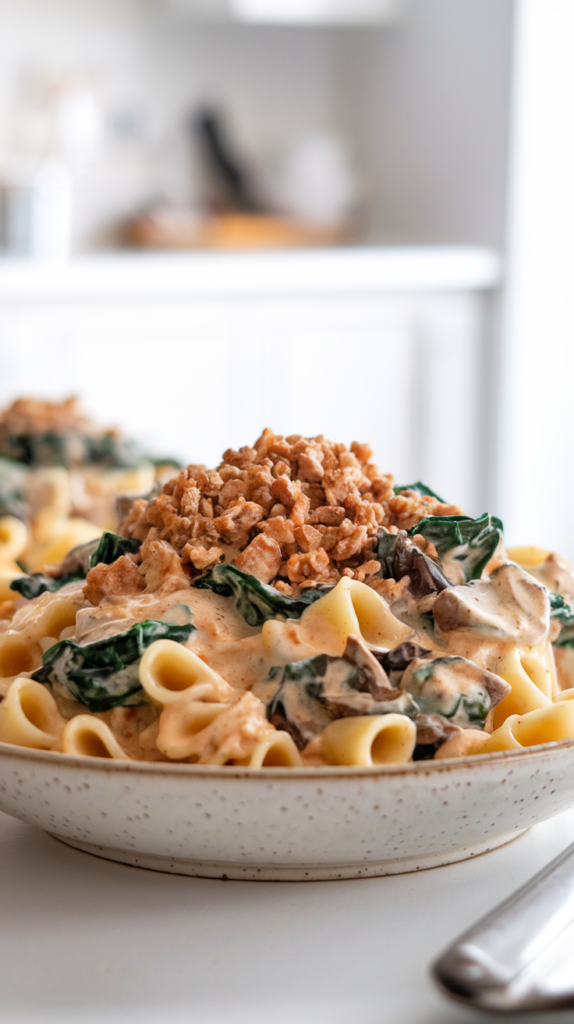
{"points": [[87, 940]]}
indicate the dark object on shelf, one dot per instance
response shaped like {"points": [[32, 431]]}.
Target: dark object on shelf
{"points": [[228, 181]]}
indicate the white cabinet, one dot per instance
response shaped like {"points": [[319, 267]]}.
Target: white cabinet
{"points": [[197, 353]]}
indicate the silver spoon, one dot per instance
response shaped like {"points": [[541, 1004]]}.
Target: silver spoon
{"points": [[520, 957]]}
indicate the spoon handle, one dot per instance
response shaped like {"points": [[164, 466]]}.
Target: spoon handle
{"points": [[510, 959]]}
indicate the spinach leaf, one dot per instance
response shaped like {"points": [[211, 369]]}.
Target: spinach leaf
{"points": [[254, 600], [111, 451], [36, 584], [13, 488], [562, 611], [164, 461], [419, 488], [112, 547], [105, 674], [455, 688], [72, 448], [469, 542], [76, 565], [314, 692], [47, 449]]}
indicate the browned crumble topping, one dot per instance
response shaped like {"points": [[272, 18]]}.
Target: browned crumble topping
{"points": [[121, 577], [29, 416], [290, 510]]}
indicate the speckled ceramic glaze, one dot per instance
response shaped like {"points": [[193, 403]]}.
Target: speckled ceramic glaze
{"points": [[279, 823]]}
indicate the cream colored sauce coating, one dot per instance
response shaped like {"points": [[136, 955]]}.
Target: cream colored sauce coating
{"points": [[482, 622], [222, 638]]}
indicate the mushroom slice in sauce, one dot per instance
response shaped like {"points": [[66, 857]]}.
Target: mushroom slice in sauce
{"points": [[556, 574], [511, 606], [455, 688], [399, 557], [399, 658], [432, 731], [314, 692]]}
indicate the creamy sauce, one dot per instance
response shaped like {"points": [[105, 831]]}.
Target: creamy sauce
{"points": [[481, 621]]}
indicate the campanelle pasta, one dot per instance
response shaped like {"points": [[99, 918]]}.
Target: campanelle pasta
{"points": [[90, 737], [369, 740], [291, 608], [170, 673], [29, 716], [13, 542]]}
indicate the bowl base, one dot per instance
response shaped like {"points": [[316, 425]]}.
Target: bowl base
{"points": [[290, 872]]}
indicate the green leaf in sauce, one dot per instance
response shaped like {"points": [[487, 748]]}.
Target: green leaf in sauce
{"points": [[112, 547], [562, 611], [73, 448], [105, 674], [36, 584], [470, 543], [419, 488], [76, 565], [455, 688], [314, 692], [13, 488], [254, 600], [112, 451], [164, 462]]}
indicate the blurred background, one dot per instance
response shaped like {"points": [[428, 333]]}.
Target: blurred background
{"points": [[352, 217]]}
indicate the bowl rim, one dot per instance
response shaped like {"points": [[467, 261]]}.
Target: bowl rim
{"points": [[163, 768]]}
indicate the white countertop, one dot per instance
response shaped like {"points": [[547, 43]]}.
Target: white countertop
{"points": [[323, 271], [87, 940]]}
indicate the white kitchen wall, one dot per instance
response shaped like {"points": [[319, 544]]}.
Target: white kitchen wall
{"points": [[423, 104], [535, 480], [426, 103]]}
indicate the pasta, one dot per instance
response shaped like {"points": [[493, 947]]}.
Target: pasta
{"points": [[292, 607], [17, 654], [8, 573], [369, 740], [170, 673], [29, 716], [350, 609], [89, 737], [544, 725], [525, 692], [274, 750], [13, 538]]}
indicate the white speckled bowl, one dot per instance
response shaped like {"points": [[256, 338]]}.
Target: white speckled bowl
{"points": [[282, 823]]}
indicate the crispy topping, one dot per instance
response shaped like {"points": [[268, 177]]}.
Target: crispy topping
{"points": [[122, 577], [33, 416], [289, 510]]}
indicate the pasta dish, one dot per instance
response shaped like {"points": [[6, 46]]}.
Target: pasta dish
{"points": [[61, 475], [291, 607]]}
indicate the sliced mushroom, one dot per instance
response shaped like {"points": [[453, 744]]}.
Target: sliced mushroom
{"points": [[399, 557], [432, 730], [455, 688], [312, 693], [511, 605]]}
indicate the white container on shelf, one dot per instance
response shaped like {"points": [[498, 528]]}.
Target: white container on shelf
{"points": [[36, 219]]}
